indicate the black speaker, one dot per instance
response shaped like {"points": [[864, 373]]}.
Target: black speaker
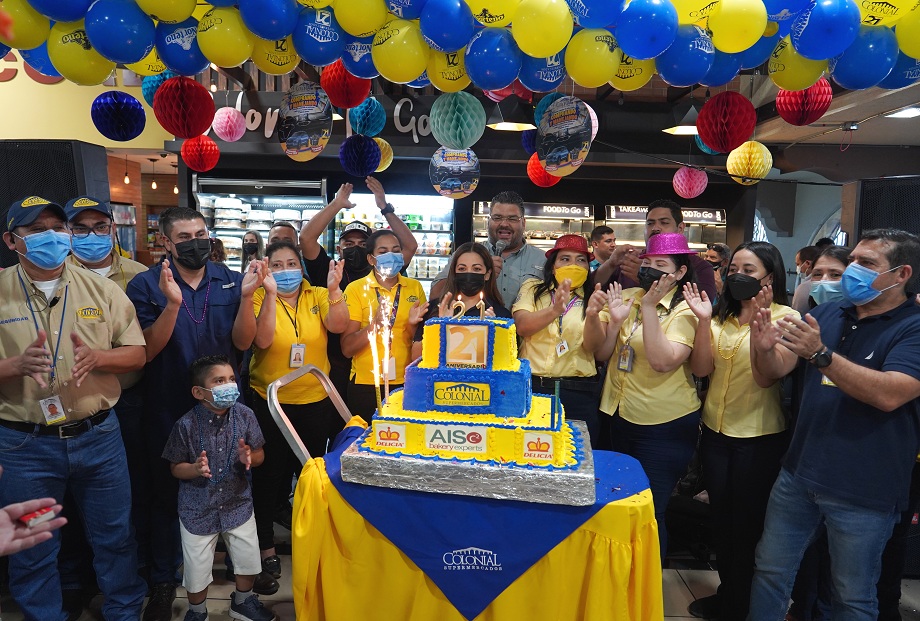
{"points": [[53, 169], [888, 203]]}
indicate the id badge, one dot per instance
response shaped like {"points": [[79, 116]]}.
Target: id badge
{"points": [[825, 381], [297, 353], [625, 359], [53, 410], [562, 348]]}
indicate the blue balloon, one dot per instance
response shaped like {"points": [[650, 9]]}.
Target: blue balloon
{"points": [[825, 28], [596, 13], [783, 12], [493, 59], [357, 57], [151, 83], [62, 10], [420, 82], [447, 25], [542, 75], [406, 9], [120, 30], [177, 45], [724, 69], [118, 116], [37, 59], [543, 104], [5, 49], [222, 2], [906, 71], [318, 38], [647, 28], [270, 19], [868, 61], [757, 54], [689, 58]]}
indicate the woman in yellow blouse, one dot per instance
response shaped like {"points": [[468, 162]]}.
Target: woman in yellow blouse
{"points": [[649, 392], [292, 317], [744, 429], [406, 304], [550, 316]]}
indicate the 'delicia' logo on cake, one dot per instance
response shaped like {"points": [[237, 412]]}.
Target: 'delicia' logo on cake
{"points": [[461, 393], [538, 446], [458, 438], [471, 558], [391, 436]]}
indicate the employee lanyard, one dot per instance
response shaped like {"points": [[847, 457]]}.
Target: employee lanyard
{"points": [[638, 322], [230, 446], [294, 318], [57, 346], [395, 309], [552, 297]]}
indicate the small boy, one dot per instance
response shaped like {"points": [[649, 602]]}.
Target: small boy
{"points": [[210, 449]]}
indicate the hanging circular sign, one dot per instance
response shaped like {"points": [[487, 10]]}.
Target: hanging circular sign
{"points": [[564, 136], [454, 173], [305, 121]]}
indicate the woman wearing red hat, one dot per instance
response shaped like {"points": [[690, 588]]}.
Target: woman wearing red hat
{"points": [[550, 316], [649, 392]]}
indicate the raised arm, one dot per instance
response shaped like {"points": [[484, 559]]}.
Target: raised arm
{"points": [[663, 355], [406, 239], [771, 360], [529, 322], [157, 335], [310, 234], [701, 359], [337, 319], [244, 326]]}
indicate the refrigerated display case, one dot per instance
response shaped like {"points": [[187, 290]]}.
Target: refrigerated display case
{"points": [[702, 226], [544, 223]]}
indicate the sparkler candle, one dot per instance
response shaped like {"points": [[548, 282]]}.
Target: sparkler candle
{"points": [[387, 338], [372, 337]]}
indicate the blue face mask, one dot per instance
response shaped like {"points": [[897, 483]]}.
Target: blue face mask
{"points": [[824, 291], [47, 250], [288, 280], [388, 264], [857, 284], [92, 248], [224, 396]]}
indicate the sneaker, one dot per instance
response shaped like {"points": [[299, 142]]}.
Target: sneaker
{"points": [[272, 566], [159, 606], [191, 615], [250, 610], [705, 607]]}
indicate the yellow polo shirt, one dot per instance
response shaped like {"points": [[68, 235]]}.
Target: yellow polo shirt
{"points": [[361, 297], [95, 308], [735, 404], [305, 324], [645, 396], [540, 348]]}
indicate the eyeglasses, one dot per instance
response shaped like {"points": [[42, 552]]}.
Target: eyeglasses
{"points": [[508, 219], [100, 229]]}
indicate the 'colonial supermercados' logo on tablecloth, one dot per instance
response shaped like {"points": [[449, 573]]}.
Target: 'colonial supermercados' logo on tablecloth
{"points": [[475, 559], [454, 173]]}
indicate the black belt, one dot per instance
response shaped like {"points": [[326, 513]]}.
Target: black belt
{"points": [[582, 384], [68, 430]]}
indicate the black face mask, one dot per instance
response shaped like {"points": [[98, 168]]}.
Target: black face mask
{"points": [[194, 253], [716, 265], [648, 276], [250, 248], [355, 258], [469, 283], [742, 286]]}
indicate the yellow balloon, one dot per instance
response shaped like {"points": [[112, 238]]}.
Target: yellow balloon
{"points": [[493, 12], [542, 28], [907, 32], [72, 55], [275, 57], [386, 154], [223, 38], [790, 70], [447, 71], [749, 163], [149, 65], [632, 74], [168, 11], [315, 4], [592, 57], [361, 18], [30, 28], [399, 52], [886, 12], [693, 11], [736, 25]]}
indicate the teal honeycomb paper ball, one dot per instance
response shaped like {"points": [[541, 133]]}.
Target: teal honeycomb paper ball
{"points": [[368, 118], [543, 104], [458, 120]]}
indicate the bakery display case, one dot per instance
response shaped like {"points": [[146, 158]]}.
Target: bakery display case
{"points": [[544, 223]]}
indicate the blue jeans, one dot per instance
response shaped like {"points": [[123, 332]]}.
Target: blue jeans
{"points": [[93, 467], [856, 537]]}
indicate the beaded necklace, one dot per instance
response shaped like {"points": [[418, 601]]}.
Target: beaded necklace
{"points": [[204, 311], [230, 450], [744, 334]]}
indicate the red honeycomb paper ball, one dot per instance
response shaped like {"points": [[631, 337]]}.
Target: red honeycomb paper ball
{"points": [[726, 121], [538, 174], [200, 153], [183, 107], [807, 106], [343, 89]]}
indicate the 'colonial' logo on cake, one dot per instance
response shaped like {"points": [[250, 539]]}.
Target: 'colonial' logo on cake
{"points": [[462, 439], [538, 446], [460, 393], [471, 558], [392, 436]]}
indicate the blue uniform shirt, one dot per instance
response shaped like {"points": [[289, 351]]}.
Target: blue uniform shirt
{"points": [[844, 447]]}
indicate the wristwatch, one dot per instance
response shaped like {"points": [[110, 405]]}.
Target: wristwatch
{"points": [[388, 209], [821, 358]]}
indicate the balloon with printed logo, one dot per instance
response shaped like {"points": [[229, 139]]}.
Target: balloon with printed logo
{"points": [[270, 19], [592, 57], [318, 38], [885, 12], [693, 11], [168, 11], [74, 57], [454, 173], [689, 59], [406, 9], [399, 52], [357, 57], [494, 13], [361, 18], [736, 25], [724, 69], [30, 28], [447, 71], [177, 45], [386, 154], [120, 30], [632, 73], [647, 28], [304, 121], [542, 27], [223, 37], [790, 70], [493, 60], [542, 75], [825, 28], [447, 25], [118, 116], [906, 71], [596, 13], [151, 64], [275, 57], [783, 12], [420, 82], [757, 54], [315, 4], [564, 136], [749, 163], [4, 50], [38, 59], [57, 10], [868, 61], [907, 31], [222, 3]]}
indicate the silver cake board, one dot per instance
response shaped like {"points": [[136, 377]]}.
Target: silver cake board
{"points": [[557, 487]]}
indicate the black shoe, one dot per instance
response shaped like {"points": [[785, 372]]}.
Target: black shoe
{"points": [[283, 517], [159, 606], [265, 584], [705, 607], [73, 603], [272, 566]]}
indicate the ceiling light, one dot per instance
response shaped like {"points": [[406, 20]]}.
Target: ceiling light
{"points": [[153, 184], [176, 183], [336, 115], [511, 114], [906, 113], [127, 178], [686, 126]]}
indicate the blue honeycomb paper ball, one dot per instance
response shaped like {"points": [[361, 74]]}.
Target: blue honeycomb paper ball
{"points": [[151, 83], [529, 141], [704, 147], [545, 102], [359, 155], [368, 118], [118, 116]]}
